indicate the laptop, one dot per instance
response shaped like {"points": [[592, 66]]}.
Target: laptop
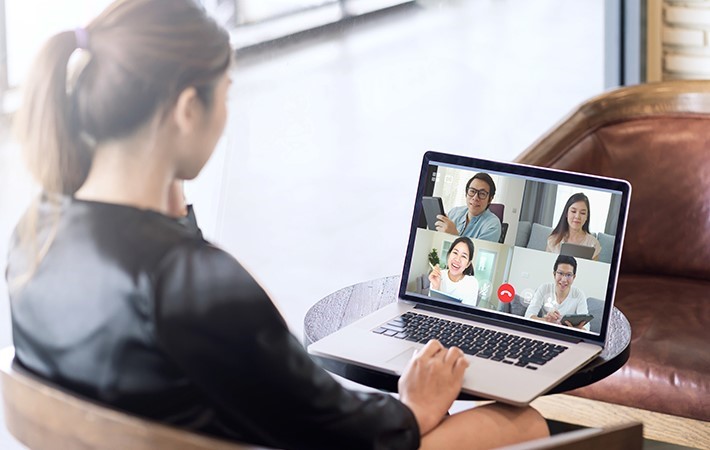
{"points": [[576, 250], [512, 357]]}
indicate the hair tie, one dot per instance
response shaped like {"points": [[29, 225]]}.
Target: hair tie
{"points": [[82, 38]]}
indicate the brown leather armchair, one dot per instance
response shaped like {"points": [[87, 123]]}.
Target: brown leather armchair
{"points": [[656, 136]]}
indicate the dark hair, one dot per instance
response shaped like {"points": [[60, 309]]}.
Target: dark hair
{"points": [[488, 180], [139, 56], [106, 81], [561, 231], [566, 259], [469, 243]]}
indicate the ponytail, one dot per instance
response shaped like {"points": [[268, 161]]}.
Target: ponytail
{"points": [[469, 270], [46, 124], [47, 130], [91, 85]]}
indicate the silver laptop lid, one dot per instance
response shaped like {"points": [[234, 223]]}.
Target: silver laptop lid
{"points": [[516, 218]]}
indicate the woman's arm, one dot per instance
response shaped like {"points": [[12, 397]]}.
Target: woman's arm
{"points": [[221, 329], [597, 248], [471, 287], [551, 247], [435, 278]]}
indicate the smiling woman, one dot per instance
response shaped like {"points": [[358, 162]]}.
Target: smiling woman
{"points": [[457, 279]]}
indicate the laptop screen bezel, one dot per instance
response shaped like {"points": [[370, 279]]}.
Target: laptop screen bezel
{"points": [[621, 187]]}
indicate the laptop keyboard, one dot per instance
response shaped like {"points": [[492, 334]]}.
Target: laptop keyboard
{"points": [[476, 341]]}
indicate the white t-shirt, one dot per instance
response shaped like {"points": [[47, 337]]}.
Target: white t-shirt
{"points": [[465, 289], [575, 303]]}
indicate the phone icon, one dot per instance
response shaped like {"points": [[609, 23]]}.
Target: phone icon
{"points": [[506, 293]]}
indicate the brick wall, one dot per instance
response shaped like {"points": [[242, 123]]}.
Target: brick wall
{"points": [[684, 49]]}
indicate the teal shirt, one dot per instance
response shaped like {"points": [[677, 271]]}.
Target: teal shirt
{"points": [[485, 226]]}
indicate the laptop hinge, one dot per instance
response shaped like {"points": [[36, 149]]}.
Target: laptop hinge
{"points": [[498, 323]]}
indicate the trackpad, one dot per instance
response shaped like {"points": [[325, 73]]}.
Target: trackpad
{"points": [[401, 360]]}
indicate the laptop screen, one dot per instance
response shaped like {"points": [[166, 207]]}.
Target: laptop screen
{"points": [[532, 246]]}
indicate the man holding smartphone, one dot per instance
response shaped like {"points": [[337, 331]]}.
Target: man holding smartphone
{"points": [[474, 220]]}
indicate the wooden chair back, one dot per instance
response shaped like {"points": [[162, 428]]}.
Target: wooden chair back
{"points": [[42, 416]]}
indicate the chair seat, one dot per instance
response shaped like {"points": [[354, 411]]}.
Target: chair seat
{"points": [[660, 368]]}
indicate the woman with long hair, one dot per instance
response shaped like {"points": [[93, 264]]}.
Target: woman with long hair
{"points": [[573, 226], [116, 295]]}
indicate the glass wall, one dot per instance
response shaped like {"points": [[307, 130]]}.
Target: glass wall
{"points": [[26, 24]]}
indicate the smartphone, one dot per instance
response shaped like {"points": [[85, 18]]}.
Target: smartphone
{"points": [[576, 319], [433, 207]]}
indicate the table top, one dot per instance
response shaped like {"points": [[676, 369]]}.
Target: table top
{"points": [[353, 302]]}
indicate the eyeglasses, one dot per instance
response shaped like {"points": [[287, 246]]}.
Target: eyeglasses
{"points": [[471, 192], [564, 274]]}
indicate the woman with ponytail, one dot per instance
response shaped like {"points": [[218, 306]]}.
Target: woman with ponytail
{"points": [[115, 294]]}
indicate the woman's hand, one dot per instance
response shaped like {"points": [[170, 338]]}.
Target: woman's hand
{"points": [[445, 225], [435, 278], [431, 382], [177, 206]]}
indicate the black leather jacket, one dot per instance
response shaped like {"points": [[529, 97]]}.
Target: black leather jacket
{"points": [[136, 310]]}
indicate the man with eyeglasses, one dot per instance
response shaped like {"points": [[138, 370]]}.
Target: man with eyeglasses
{"points": [[474, 220], [560, 298]]}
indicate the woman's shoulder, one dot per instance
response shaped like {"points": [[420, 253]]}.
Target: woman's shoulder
{"points": [[591, 240], [553, 243], [471, 279], [471, 283], [132, 238]]}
